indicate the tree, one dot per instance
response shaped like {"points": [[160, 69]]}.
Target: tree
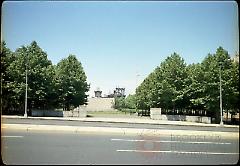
{"points": [[130, 101], [173, 71], [174, 85], [195, 89], [71, 82], [230, 92], [120, 103], [212, 65], [143, 96], [39, 73], [165, 86], [7, 57]]}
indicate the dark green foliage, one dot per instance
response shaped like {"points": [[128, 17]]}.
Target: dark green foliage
{"points": [[175, 85], [45, 81], [71, 82]]}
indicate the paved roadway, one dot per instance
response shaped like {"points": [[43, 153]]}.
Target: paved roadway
{"points": [[123, 125], [46, 147]]}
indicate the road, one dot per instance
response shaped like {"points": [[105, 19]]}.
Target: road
{"points": [[108, 124], [46, 147]]}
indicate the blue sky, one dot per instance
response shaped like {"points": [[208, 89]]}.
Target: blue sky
{"points": [[116, 40]]}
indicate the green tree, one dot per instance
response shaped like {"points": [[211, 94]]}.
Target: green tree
{"points": [[39, 76], [212, 65], [71, 82], [120, 103], [143, 95], [130, 101], [174, 73], [165, 86], [7, 57], [195, 89]]}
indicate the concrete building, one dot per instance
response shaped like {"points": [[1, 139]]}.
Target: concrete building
{"points": [[100, 104], [106, 103]]}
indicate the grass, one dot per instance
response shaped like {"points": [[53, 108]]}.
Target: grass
{"points": [[105, 113]]}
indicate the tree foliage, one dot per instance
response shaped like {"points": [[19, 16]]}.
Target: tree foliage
{"points": [[45, 81], [71, 82], [175, 85], [164, 87], [7, 57], [125, 103]]}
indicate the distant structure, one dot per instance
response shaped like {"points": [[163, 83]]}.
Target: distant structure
{"points": [[98, 93], [106, 102], [119, 92]]}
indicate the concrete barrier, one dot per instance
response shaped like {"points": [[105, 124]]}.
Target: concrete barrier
{"points": [[77, 112], [155, 111], [51, 113], [201, 119]]}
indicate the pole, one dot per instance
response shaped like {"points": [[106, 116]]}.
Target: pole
{"points": [[25, 114], [221, 123], [136, 91]]}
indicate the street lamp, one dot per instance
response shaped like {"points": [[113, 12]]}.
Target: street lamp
{"points": [[25, 114], [137, 75], [220, 79]]}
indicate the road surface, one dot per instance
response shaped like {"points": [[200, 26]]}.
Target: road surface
{"points": [[108, 124], [46, 147]]}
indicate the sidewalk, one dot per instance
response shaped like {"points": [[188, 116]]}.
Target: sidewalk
{"points": [[142, 120]]}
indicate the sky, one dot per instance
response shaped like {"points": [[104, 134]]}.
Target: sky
{"points": [[120, 43]]}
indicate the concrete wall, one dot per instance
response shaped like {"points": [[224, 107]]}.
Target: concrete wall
{"points": [[100, 104], [201, 119], [77, 112], [155, 113], [50, 113]]}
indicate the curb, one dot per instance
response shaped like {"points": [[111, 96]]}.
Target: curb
{"points": [[113, 120], [114, 130]]}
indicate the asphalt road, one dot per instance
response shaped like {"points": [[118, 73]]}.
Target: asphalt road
{"points": [[40, 147], [24, 147], [120, 125]]}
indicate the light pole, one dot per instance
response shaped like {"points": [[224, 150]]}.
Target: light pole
{"points": [[25, 114], [137, 75], [220, 79]]}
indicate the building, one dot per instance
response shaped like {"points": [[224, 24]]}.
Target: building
{"points": [[98, 93], [100, 104], [106, 103], [119, 92]]}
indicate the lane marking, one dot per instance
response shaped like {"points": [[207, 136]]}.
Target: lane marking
{"points": [[188, 142], [181, 152], [11, 136]]}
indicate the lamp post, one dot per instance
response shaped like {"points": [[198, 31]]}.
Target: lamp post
{"points": [[137, 75], [220, 79], [25, 114]]}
